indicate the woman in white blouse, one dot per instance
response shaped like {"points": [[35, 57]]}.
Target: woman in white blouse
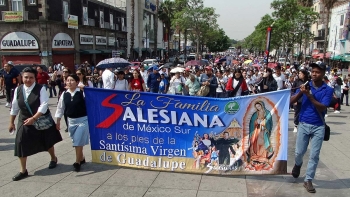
{"points": [[72, 103], [121, 83], [177, 83], [83, 81], [29, 140]]}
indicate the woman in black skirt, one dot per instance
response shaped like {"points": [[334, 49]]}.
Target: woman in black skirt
{"points": [[29, 140]]}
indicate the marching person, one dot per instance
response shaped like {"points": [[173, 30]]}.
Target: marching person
{"points": [[303, 77], [121, 83], [12, 79], [316, 97], [236, 85], [72, 103], [83, 81], [108, 79], [31, 102], [209, 79]]}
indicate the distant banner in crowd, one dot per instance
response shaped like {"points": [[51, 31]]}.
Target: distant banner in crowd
{"points": [[233, 136]]}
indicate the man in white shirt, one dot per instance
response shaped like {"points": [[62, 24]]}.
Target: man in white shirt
{"points": [[108, 78], [280, 78], [144, 73]]}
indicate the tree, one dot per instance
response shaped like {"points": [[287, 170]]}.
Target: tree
{"points": [[306, 3], [195, 16], [132, 34], [166, 14], [218, 40]]}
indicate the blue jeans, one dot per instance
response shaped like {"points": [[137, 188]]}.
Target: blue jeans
{"points": [[309, 133]]}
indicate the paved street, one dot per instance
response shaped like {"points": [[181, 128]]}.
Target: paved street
{"points": [[332, 177]]}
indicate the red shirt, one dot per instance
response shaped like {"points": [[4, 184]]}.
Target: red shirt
{"points": [[136, 85], [42, 78]]}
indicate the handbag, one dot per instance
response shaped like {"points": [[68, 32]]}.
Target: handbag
{"points": [[44, 122], [327, 132], [203, 91]]}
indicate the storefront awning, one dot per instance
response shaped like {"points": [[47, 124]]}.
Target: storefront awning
{"points": [[105, 51], [61, 52], [90, 51], [14, 53]]}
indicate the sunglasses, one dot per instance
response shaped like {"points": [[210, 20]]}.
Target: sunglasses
{"points": [[65, 71], [78, 73]]}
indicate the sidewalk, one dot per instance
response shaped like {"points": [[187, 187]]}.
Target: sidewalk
{"points": [[332, 176]]}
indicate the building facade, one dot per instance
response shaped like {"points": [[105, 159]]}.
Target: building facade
{"points": [[68, 31], [339, 42], [145, 11]]}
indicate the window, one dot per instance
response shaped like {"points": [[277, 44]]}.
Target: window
{"points": [[17, 5], [65, 11], [2, 2], [31, 2], [342, 20]]}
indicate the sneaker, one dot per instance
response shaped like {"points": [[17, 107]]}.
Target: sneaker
{"points": [[295, 130], [296, 171], [337, 112], [309, 187], [8, 105], [20, 176]]}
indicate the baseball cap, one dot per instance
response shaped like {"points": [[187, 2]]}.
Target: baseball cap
{"points": [[156, 68], [209, 68], [322, 66], [10, 62], [187, 69]]}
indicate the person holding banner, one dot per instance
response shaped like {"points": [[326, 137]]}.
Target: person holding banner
{"points": [[72, 103], [31, 102], [316, 97]]}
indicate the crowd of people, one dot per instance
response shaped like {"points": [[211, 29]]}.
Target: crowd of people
{"points": [[313, 87]]}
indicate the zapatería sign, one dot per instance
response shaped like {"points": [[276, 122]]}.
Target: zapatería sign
{"points": [[234, 136]]}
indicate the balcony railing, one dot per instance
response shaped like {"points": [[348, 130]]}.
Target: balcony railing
{"points": [[124, 28], [25, 16], [318, 38]]}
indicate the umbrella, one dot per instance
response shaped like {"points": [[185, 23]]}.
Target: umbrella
{"points": [[248, 61], [177, 69], [115, 62], [272, 65], [168, 65]]}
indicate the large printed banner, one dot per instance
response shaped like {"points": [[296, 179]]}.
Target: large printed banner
{"points": [[244, 135]]}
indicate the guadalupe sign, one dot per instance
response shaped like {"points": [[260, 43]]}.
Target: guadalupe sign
{"points": [[62, 41], [233, 136], [19, 40]]}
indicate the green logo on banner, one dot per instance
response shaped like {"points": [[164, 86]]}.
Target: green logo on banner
{"points": [[231, 107]]}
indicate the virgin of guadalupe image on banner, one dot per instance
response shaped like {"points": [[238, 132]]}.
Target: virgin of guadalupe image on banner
{"points": [[262, 135]]}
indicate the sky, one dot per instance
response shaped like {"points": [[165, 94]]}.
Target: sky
{"points": [[238, 18]]}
